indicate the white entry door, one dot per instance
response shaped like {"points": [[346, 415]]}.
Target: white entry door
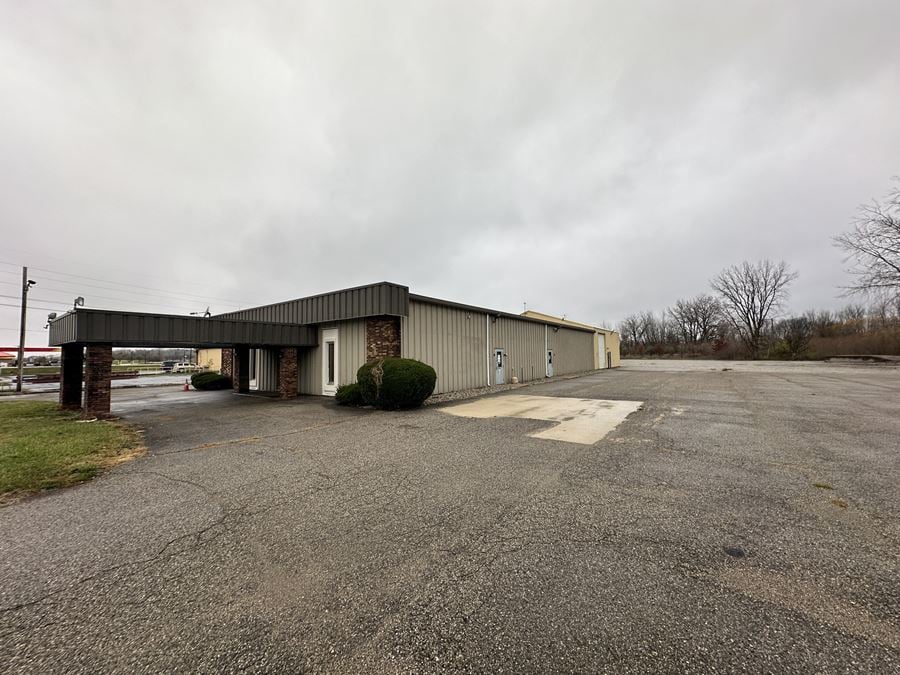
{"points": [[330, 361], [601, 350]]}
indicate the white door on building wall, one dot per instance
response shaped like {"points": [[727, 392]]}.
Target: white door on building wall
{"points": [[330, 361], [549, 363], [499, 366], [601, 350]]}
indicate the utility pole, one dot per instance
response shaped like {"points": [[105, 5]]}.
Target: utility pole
{"points": [[26, 284]]}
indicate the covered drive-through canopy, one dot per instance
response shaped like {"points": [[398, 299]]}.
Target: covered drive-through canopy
{"points": [[87, 337], [137, 329]]}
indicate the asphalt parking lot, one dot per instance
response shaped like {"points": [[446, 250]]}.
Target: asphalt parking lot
{"points": [[744, 518]]}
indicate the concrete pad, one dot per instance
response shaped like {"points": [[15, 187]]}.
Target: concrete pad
{"points": [[581, 420]]}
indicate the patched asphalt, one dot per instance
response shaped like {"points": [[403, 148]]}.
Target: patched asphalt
{"points": [[267, 536]]}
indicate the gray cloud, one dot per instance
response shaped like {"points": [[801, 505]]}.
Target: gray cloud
{"points": [[590, 158]]}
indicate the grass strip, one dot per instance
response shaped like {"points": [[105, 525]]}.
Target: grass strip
{"points": [[43, 448]]}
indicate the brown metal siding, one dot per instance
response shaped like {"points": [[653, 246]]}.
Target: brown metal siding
{"points": [[149, 330], [353, 303], [450, 340], [63, 330]]}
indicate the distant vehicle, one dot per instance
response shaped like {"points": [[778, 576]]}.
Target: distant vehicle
{"points": [[167, 366], [184, 368]]}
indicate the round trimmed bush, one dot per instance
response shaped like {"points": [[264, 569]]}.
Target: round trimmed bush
{"points": [[349, 394], [210, 381], [393, 383]]}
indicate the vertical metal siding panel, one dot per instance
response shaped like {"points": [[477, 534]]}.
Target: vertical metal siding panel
{"points": [[306, 370], [450, 340], [442, 344], [404, 337], [353, 349], [456, 338], [524, 345], [575, 352]]}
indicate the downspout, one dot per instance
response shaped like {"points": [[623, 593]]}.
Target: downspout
{"points": [[487, 341], [546, 353]]}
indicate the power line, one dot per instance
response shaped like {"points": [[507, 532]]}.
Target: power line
{"points": [[205, 298], [52, 309], [39, 255], [16, 297], [169, 300], [167, 303], [16, 330], [78, 287], [146, 288]]}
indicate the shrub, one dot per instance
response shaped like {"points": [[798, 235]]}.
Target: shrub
{"points": [[210, 381], [393, 383], [349, 394]]}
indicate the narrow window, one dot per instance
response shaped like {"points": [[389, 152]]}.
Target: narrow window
{"points": [[330, 363]]}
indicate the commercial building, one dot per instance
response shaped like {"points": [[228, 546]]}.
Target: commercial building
{"points": [[314, 344], [607, 348]]}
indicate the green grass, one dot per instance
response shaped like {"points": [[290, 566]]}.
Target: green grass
{"points": [[43, 448]]}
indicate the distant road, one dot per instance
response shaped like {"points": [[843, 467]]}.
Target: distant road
{"points": [[140, 381]]}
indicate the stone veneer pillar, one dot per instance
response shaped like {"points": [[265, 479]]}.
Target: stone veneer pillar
{"points": [[241, 367], [287, 372], [227, 368], [97, 372], [71, 373], [382, 337]]}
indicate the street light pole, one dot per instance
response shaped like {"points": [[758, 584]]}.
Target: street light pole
{"points": [[26, 284]]}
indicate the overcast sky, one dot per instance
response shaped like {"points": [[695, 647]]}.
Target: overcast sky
{"points": [[590, 158]]}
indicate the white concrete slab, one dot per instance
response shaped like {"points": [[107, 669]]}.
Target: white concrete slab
{"points": [[581, 420]]}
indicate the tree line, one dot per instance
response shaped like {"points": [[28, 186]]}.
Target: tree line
{"points": [[742, 315], [701, 326]]}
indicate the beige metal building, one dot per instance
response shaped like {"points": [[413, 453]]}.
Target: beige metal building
{"points": [[607, 345], [210, 359], [468, 346]]}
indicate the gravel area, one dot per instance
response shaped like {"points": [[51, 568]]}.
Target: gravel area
{"points": [[741, 521]]}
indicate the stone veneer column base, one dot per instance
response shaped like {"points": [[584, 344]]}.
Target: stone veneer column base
{"points": [[97, 371], [382, 337], [227, 368], [287, 372]]}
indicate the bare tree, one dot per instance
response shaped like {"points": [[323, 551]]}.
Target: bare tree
{"points": [[873, 246], [852, 319], [750, 293], [630, 331], [822, 322], [795, 333], [697, 320]]}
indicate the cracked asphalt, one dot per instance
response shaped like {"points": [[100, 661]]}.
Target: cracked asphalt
{"points": [[268, 536]]}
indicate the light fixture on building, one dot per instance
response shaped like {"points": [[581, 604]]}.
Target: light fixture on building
{"points": [[79, 302]]}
